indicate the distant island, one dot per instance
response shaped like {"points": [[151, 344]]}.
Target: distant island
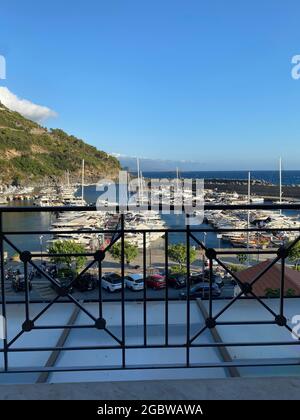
{"points": [[31, 154]]}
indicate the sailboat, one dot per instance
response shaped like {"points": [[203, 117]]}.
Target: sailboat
{"points": [[82, 182], [139, 193], [280, 185], [79, 201]]}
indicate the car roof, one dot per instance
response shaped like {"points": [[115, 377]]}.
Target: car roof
{"points": [[203, 286], [135, 276]]}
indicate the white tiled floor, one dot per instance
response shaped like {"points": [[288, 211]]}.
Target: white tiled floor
{"points": [[60, 313]]}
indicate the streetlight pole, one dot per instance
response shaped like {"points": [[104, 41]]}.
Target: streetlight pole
{"points": [[203, 259], [41, 245]]}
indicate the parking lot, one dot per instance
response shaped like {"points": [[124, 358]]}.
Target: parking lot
{"points": [[42, 290]]}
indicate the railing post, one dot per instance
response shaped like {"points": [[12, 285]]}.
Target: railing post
{"points": [[100, 289], [210, 287], [188, 305], [167, 289], [282, 286], [26, 281], [123, 288], [2, 262], [145, 287]]}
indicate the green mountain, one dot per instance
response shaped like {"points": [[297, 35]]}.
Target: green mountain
{"points": [[32, 154]]}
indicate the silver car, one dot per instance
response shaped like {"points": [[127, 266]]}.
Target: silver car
{"points": [[134, 282], [111, 282]]}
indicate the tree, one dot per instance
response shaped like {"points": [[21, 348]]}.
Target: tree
{"points": [[130, 252], [178, 253], [294, 254], [176, 269], [272, 293], [290, 293], [275, 293], [242, 258], [235, 268], [16, 182], [68, 247]]}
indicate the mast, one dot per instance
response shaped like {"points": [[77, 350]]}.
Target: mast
{"points": [[139, 181], [280, 182], [177, 177], [248, 213], [82, 181], [142, 186]]}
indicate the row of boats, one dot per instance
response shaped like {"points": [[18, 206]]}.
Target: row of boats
{"points": [[83, 226], [11, 192], [231, 221], [59, 196], [261, 239], [234, 221]]}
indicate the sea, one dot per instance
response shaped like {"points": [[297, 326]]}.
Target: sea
{"points": [[288, 177], [42, 221]]}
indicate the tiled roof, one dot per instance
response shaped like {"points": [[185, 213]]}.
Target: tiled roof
{"points": [[271, 279]]}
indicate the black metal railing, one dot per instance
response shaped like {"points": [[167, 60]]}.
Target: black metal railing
{"points": [[98, 322]]}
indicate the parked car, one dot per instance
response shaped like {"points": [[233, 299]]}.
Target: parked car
{"points": [[204, 277], [216, 278], [18, 281], [111, 282], [156, 282], [201, 290], [86, 283], [214, 263], [219, 281], [177, 281], [196, 278], [63, 276], [134, 282], [62, 283]]}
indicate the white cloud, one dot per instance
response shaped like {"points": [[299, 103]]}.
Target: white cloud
{"points": [[117, 155], [26, 108]]}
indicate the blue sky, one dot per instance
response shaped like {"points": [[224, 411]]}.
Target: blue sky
{"points": [[202, 80]]}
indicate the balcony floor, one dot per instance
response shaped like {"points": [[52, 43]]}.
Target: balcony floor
{"points": [[284, 388]]}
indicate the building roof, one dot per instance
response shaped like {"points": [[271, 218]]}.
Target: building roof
{"points": [[271, 279]]}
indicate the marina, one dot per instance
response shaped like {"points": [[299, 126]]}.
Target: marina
{"points": [[93, 230], [166, 194]]}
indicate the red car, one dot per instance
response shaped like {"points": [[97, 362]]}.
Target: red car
{"points": [[156, 282]]}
